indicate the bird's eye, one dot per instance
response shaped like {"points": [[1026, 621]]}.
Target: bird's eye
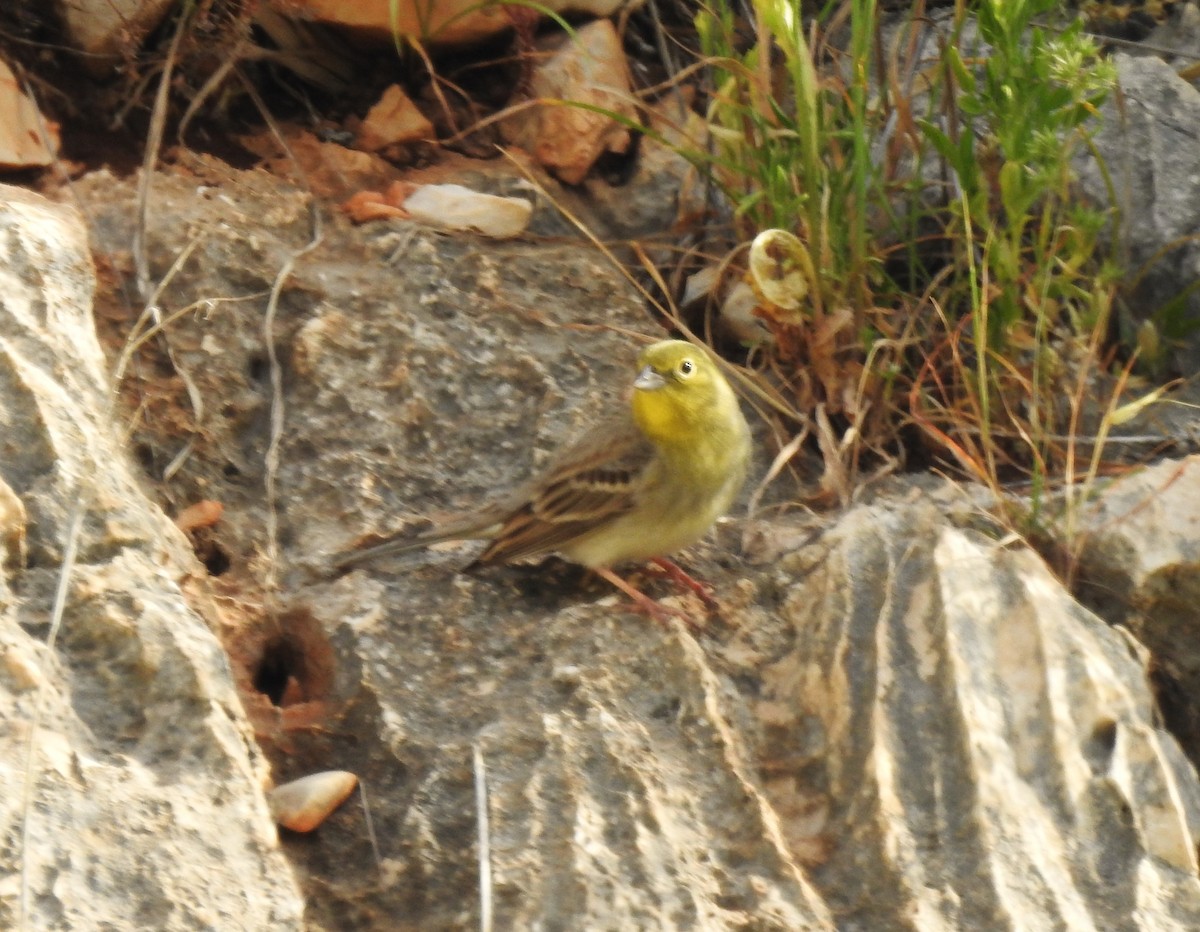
{"points": [[686, 367]]}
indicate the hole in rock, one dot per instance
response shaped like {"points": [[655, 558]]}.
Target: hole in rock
{"points": [[258, 368], [143, 453], [215, 560], [209, 551], [294, 661], [279, 668], [1100, 745]]}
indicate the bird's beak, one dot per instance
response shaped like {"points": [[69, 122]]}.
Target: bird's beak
{"points": [[648, 379]]}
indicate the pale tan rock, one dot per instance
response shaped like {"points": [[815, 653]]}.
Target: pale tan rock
{"points": [[1139, 563], [951, 704], [438, 22], [108, 27], [394, 120], [13, 521], [27, 138], [302, 805], [453, 207], [144, 805], [588, 68]]}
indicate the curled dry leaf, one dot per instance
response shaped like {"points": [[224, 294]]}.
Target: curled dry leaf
{"points": [[303, 804], [202, 514], [781, 268]]}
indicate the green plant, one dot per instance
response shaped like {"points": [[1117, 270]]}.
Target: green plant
{"points": [[1011, 149], [792, 146], [999, 298], [792, 119], [1025, 263]]}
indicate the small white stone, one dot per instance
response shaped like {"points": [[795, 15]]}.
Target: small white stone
{"points": [[453, 207]]}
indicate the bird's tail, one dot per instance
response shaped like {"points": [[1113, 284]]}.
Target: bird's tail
{"points": [[400, 542], [403, 541]]}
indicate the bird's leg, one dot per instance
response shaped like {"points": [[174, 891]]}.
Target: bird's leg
{"points": [[681, 578], [644, 603]]}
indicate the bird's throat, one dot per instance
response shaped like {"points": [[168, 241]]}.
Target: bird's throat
{"points": [[658, 420]]}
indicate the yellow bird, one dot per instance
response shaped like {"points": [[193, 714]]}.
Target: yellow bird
{"points": [[638, 487]]}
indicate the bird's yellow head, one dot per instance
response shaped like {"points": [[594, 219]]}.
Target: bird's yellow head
{"points": [[678, 391]]}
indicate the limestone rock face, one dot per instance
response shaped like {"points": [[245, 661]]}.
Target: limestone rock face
{"points": [[1140, 565], [133, 789], [893, 723], [941, 717]]}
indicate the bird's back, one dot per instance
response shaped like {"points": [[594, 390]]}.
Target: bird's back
{"points": [[589, 484]]}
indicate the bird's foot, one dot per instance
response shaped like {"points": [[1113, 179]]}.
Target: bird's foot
{"points": [[678, 576], [643, 603]]}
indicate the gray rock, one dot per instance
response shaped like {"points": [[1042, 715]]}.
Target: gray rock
{"points": [[1149, 145], [893, 723], [1139, 565]]}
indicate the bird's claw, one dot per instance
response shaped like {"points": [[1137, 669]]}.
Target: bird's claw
{"points": [[679, 576], [648, 606]]}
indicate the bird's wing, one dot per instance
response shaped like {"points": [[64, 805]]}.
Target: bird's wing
{"points": [[589, 484]]}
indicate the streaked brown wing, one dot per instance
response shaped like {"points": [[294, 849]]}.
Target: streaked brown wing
{"points": [[590, 483]]}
